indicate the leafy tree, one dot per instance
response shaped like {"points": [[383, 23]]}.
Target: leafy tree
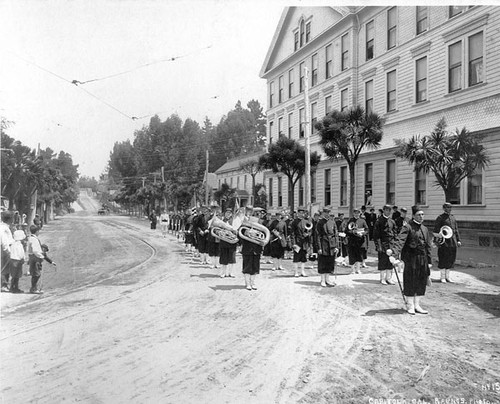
{"points": [[225, 196], [87, 182], [123, 161], [252, 167], [451, 156], [236, 134], [260, 121], [288, 156], [22, 173], [345, 134]]}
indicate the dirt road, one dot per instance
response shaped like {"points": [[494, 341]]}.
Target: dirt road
{"points": [[129, 318]]}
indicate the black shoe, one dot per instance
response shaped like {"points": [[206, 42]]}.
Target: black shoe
{"points": [[17, 291]]}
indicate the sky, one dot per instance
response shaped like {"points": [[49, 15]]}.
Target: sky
{"points": [[218, 47]]}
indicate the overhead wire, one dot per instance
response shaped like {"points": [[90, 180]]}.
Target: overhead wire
{"points": [[171, 59], [78, 83]]}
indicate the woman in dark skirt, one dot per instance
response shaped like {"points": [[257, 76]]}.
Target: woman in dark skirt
{"points": [[278, 242], [356, 241], [327, 245], [414, 244], [227, 257]]}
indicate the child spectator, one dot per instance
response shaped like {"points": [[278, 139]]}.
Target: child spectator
{"points": [[35, 259], [17, 254]]}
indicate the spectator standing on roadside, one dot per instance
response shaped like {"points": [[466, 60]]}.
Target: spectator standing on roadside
{"points": [[7, 240], [153, 219], [17, 254], [35, 259], [164, 220]]}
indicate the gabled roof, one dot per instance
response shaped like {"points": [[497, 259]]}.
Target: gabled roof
{"points": [[234, 164], [279, 33]]}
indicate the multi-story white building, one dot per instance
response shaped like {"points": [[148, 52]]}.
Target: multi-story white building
{"points": [[411, 65]]}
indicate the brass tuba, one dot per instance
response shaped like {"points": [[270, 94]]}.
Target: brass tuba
{"points": [[224, 231], [254, 232], [445, 232]]}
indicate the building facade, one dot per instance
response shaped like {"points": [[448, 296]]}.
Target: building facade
{"points": [[239, 178], [411, 65]]}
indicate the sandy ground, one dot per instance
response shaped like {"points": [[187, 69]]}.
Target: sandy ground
{"points": [[128, 317]]}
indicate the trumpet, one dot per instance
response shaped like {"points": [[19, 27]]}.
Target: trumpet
{"points": [[444, 234], [254, 232], [224, 231]]}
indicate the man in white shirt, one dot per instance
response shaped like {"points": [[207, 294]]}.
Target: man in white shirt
{"points": [[6, 241]]}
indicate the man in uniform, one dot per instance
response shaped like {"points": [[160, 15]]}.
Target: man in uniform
{"points": [[447, 250]]}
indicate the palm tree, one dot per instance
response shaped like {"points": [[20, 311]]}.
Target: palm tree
{"points": [[345, 134], [288, 156], [451, 156]]}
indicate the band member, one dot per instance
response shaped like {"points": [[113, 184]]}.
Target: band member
{"points": [[266, 220], [327, 245], [188, 230], [279, 235], [371, 218], [342, 228], [164, 221], [356, 241], [212, 242], [202, 232], [227, 257], [384, 236], [414, 245], [447, 250], [401, 220], [301, 234], [251, 255]]}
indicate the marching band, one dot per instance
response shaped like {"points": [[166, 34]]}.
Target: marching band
{"points": [[400, 242]]}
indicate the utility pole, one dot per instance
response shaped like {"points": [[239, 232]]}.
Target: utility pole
{"points": [[35, 195], [206, 182], [163, 180], [307, 132]]}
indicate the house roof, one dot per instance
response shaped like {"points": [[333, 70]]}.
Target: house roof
{"points": [[280, 32], [234, 164]]}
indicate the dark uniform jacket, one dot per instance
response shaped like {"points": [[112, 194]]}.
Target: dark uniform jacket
{"points": [[384, 233], [448, 220], [300, 235], [326, 237]]}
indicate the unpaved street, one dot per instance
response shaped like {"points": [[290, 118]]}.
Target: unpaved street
{"points": [[129, 318]]}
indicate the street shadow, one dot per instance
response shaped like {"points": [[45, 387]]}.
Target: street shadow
{"points": [[308, 283], [374, 281], [371, 313], [205, 276], [227, 287], [487, 302]]}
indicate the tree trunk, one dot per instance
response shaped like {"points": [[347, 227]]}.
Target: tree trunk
{"points": [[292, 195], [352, 188]]}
